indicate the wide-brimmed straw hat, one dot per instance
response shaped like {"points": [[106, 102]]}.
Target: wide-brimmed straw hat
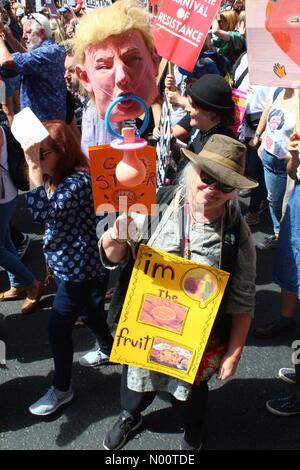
{"points": [[224, 159]]}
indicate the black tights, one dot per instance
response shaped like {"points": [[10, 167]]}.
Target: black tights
{"points": [[192, 410]]}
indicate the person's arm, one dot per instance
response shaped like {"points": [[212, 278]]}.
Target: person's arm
{"points": [[6, 59], [32, 156], [12, 41], [176, 98], [220, 33], [180, 133], [239, 331], [261, 127], [294, 149], [156, 111]]}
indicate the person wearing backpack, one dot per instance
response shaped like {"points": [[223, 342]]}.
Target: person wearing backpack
{"points": [[23, 284]]}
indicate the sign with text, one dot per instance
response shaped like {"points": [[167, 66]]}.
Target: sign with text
{"points": [[52, 9], [180, 29], [168, 313], [109, 195], [163, 145], [240, 101], [273, 37], [92, 4]]}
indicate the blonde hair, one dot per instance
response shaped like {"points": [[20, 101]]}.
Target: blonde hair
{"points": [[231, 18], [100, 24]]}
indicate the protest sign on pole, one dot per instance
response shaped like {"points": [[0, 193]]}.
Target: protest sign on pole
{"points": [[164, 143], [180, 29], [52, 9], [273, 38], [168, 313], [112, 196], [38, 5], [240, 100], [92, 4]]}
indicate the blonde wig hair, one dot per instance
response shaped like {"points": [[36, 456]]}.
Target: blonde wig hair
{"points": [[100, 24]]}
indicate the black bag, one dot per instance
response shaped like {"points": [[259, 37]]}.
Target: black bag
{"points": [[16, 161], [252, 119]]}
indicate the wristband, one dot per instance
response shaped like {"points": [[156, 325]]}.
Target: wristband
{"points": [[257, 135]]}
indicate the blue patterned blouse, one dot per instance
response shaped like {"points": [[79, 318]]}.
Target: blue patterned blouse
{"points": [[43, 87], [70, 241]]}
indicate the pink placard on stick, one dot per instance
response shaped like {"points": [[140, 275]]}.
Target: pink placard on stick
{"points": [[180, 29], [273, 38]]}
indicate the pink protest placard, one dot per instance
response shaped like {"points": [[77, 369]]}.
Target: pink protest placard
{"points": [[240, 100], [180, 29], [273, 38]]}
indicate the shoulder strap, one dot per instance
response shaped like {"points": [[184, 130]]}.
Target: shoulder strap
{"points": [[277, 92]]}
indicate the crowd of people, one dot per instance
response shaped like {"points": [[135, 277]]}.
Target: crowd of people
{"points": [[67, 71]]}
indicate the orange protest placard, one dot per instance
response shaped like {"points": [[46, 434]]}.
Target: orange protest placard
{"points": [[109, 194]]}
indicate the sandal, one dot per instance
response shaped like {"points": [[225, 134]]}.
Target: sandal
{"points": [[14, 293], [34, 293]]}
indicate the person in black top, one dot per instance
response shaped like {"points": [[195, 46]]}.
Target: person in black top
{"points": [[210, 110]]}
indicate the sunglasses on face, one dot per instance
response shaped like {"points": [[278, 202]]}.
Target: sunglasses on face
{"points": [[209, 180]]}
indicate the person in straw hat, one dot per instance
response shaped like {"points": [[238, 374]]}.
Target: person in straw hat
{"points": [[214, 234]]}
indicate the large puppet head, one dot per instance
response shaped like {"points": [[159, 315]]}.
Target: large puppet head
{"points": [[115, 55]]}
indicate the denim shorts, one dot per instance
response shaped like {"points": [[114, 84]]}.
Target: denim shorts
{"points": [[12, 84]]}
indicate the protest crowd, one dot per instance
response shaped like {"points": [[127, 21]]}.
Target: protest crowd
{"points": [[219, 139]]}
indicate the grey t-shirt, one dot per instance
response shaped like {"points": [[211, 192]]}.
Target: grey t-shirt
{"points": [[205, 248]]}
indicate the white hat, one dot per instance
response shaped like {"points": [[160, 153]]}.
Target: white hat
{"points": [[20, 12]]}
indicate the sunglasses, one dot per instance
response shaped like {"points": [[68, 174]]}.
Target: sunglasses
{"points": [[31, 17], [209, 180]]}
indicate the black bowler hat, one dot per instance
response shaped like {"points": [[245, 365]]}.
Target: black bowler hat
{"points": [[211, 91]]}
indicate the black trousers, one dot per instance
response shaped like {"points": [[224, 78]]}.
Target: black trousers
{"points": [[192, 411]]}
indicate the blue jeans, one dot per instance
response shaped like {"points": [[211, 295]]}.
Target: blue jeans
{"points": [[74, 299], [275, 179], [255, 171], [9, 260]]}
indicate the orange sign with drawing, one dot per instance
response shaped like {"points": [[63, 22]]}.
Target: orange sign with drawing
{"points": [[168, 313], [109, 194], [273, 36]]}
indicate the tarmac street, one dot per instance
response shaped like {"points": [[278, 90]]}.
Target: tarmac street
{"points": [[237, 417]]}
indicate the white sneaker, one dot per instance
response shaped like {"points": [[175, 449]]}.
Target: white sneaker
{"points": [[94, 359], [51, 401]]}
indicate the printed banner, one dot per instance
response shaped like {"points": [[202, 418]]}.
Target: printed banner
{"points": [[180, 29], [273, 38], [109, 195], [163, 145], [52, 9], [168, 313], [92, 4], [240, 100]]}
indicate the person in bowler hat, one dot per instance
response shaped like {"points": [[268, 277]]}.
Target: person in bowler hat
{"points": [[210, 110]]}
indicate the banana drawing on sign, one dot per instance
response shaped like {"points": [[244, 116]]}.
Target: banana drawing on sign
{"points": [[168, 313]]}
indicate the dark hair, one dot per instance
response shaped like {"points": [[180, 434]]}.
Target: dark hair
{"points": [[227, 116], [280, 114], [63, 141]]}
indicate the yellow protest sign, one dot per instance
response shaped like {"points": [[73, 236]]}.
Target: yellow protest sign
{"points": [[168, 313]]}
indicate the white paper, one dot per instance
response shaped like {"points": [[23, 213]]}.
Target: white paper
{"points": [[27, 126]]}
